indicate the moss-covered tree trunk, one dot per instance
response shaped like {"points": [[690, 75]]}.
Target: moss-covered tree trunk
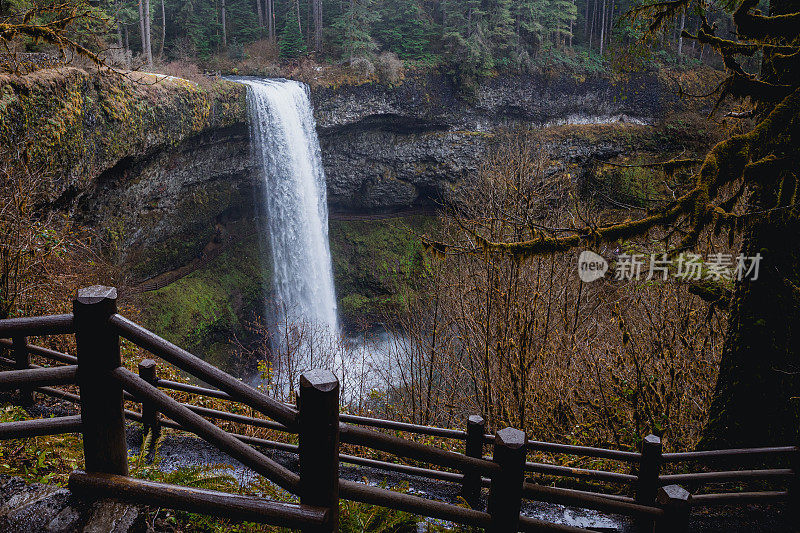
{"points": [[757, 397]]}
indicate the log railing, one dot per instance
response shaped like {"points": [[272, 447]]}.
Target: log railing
{"points": [[656, 499]]}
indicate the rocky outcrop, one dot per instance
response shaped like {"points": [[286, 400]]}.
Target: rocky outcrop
{"points": [[72, 126], [49, 509], [161, 211], [152, 162], [388, 148], [163, 170]]}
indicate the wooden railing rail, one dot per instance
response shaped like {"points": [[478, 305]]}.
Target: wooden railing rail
{"points": [[581, 499], [414, 450], [739, 498], [208, 431], [571, 449], [380, 423], [735, 453], [44, 352], [205, 371], [727, 475], [659, 504], [404, 426], [37, 377], [195, 500], [581, 473], [40, 426], [36, 326]]}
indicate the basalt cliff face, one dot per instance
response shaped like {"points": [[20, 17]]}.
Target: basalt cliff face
{"points": [[118, 152], [390, 148], [165, 169], [164, 173]]}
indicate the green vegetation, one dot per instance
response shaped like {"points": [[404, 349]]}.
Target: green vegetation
{"points": [[467, 39], [39, 459], [292, 44], [206, 307], [375, 263]]}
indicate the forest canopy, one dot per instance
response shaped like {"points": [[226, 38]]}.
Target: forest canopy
{"points": [[468, 39]]}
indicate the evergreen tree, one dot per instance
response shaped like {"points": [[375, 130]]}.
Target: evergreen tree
{"points": [[502, 34], [405, 28], [353, 28], [292, 44]]}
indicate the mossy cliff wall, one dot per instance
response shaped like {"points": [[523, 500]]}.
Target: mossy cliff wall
{"points": [[116, 151], [75, 125], [162, 169]]}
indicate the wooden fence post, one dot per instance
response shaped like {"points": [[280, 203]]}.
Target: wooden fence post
{"points": [[471, 487], [677, 505], [22, 360], [319, 443], [102, 408], [505, 496], [647, 484], [150, 420], [794, 489]]}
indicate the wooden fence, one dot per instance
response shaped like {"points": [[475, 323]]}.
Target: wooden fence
{"points": [[657, 501]]}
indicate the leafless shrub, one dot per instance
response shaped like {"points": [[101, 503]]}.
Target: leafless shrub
{"points": [[389, 68], [118, 58], [183, 48], [186, 70], [44, 258], [362, 67], [527, 344], [262, 50]]}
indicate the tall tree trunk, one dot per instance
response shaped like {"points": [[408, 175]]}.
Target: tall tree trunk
{"points": [[297, 8], [586, 22], [316, 6], [224, 26], [755, 401], [680, 32], [270, 13], [758, 386], [142, 32], [163, 28], [610, 22], [602, 26], [591, 27], [148, 46], [260, 12]]}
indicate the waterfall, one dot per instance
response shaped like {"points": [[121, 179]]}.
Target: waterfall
{"points": [[285, 141]]}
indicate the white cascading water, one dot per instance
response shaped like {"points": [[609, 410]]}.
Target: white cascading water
{"points": [[306, 335], [285, 139]]}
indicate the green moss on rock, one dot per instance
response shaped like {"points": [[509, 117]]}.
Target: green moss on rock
{"points": [[375, 263], [73, 125], [204, 310]]}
